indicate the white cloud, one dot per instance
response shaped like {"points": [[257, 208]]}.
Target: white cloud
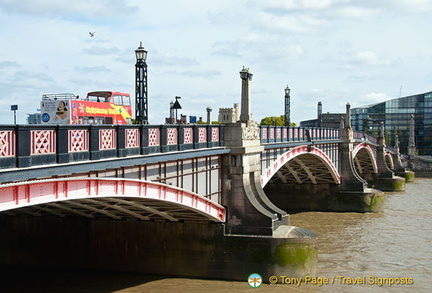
{"points": [[8, 64], [299, 4], [371, 98], [369, 58], [343, 49], [363, 59], [351, 11], [301, 23], [58, 9], [101, 50], [421, 6]]}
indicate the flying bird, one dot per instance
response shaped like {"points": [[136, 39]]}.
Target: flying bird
{"points": [[92, 34]]}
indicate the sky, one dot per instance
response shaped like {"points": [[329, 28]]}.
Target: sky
{"points": [[334, 51]]}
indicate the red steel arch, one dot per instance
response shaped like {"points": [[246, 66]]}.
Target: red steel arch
{"points": [[112, 197], [366, 162], [389, 160], [296, 152]]}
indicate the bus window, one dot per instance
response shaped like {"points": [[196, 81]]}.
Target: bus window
{"points": [[93, 98], [126, 100], [88, 120], [118, 100], [97, 97], [108, 120], [99, 120]]}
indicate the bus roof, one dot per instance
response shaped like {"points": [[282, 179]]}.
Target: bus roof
{"points": [[105, 93]]}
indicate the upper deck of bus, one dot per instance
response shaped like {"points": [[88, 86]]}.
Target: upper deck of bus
{"points": [[117, 98]]}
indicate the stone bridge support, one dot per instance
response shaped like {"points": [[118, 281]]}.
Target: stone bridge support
{"points": [[249, 211], [353, 192], [386, 180], [399, 169], [252, 220]]}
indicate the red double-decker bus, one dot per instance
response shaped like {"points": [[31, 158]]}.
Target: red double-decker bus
{"points": [[100, 107]]}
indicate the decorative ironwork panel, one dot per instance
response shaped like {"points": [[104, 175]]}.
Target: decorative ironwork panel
{"points": [[78, 140], [264, 133], [107, 139], [154, 137], [272, 136], [285, 133], [42, 142], [7, 143], [172, 135], [215, 134], [202, 134], [132, 138], [278, 133], [188, 135]]}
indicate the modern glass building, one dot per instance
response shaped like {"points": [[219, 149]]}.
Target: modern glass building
{"points": [[396, 115]]}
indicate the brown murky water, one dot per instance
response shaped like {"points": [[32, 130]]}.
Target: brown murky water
{"points": [[395, 244]]}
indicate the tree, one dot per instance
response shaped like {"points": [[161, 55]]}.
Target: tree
{"points": [[276, 121]]}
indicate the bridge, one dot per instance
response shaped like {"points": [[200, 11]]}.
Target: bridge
{"points": [[188, 200]]}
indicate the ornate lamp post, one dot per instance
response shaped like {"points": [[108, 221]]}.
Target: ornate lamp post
{"points": [[171, 113], [176, 106], [141, 101], [287, 106], [246, 76]]}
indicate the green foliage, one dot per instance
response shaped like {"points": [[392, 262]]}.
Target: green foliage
{"points": [[134, 121], [277, 121]]}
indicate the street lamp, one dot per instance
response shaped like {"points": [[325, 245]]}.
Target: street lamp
{"points": [[287, 105], [171, 113], [246, 76], [141, 99], [176, 106]]}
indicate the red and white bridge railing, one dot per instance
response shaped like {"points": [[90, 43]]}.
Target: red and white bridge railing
{"points": [[170, 202]]}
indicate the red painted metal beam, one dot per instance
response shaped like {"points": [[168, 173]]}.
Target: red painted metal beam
{"points": [[286, 157], [28, 193]]}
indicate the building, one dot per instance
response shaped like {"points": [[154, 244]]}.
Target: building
{"points": [[34, 118], [229, 115], [326, 120], [395, 114]]}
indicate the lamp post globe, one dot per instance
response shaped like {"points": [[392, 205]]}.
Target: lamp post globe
{"points": [[141, 53], [141, 95], [245, 74]]}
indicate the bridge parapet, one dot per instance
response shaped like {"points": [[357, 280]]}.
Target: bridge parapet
{"points": [[30, 145], [275, 134], [357, 135]]}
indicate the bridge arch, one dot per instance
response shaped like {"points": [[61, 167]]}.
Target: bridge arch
{"points": [[115, 198], [389, 160], [303, 164], [364, 161]]}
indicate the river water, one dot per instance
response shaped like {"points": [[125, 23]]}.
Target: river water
{"points": [[394, 245]]}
